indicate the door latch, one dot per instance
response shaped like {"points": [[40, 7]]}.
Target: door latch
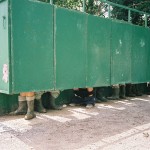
{"points": [[4, 22]]}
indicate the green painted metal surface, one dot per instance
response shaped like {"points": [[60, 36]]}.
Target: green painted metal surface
{"points": [[98, 51], [32, 46], [8, 103], [121, 41], [70, 48], [65, 97], [43, 47], [4, 48], [148, 49], [55, 48], [140, 55]]}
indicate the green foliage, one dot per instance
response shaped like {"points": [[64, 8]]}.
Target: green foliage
{"points": [[70, 4], [136, 18], [95, 7], [91, 6]]}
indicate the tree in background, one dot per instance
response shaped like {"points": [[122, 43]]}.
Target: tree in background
{"points": [[136, 18], [95, 7], [70, 4]]}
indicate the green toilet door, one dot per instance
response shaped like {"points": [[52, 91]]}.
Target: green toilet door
{"points": [[4, 48]]}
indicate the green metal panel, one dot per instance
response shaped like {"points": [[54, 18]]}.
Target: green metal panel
{"points": [[65, 97], [70, 48], [98, 51], [121, 42], [8, 103], [32, 46], [148, 50], [4, 48], [139, 55]]}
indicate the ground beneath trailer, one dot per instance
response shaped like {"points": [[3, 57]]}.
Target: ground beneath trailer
{"points": [[115, 125]]}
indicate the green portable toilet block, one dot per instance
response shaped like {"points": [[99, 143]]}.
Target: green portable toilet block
{"points": [[44, 48]]}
